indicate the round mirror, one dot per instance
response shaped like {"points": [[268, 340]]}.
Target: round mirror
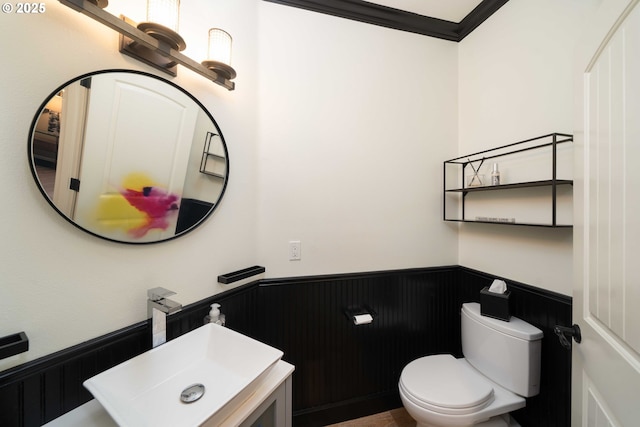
{"points": [[128, 156]]}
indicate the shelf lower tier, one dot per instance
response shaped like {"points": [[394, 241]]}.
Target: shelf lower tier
{"points": [[526, 224]]}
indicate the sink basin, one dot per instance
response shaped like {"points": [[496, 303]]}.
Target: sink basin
{"points": [[146, 390]]}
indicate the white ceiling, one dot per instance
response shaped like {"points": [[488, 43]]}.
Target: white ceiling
{"points": [[449, 10]]}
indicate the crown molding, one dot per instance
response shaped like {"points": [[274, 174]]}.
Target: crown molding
{"points": [[363, 11]]}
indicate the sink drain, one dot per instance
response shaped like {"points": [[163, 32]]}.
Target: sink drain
{"points": [[192, 393]]}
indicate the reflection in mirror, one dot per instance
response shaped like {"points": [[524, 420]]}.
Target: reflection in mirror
{"points": [[128, 156]]}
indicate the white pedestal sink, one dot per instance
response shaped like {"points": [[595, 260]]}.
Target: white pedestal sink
{"points": [[146, 390]]}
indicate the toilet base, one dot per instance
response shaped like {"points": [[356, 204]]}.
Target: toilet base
{"points": [[500, 421]]}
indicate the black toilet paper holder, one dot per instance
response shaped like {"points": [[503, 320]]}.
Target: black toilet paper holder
{"points": [[357, 310]]}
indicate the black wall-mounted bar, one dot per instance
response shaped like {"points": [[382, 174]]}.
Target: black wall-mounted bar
{"points": [[240, 274], [13, 344]]}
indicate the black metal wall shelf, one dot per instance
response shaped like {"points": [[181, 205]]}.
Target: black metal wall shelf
{"points": [[550, 141]]}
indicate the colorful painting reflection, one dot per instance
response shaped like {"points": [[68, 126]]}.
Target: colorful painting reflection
{"points": [[138, 207]]}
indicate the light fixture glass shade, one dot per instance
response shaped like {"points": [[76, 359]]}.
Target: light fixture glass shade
{"points": [[219, 46], [164, 12]]}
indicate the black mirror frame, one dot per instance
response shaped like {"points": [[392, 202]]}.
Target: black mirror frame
{"points": [[94, 73]]}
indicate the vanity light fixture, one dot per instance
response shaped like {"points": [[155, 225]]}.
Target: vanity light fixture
{"points": [[219, 53], [162, 21], [154, 49], [163, 17]]}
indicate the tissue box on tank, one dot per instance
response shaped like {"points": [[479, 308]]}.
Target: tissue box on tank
{"points": [[495, 305]]}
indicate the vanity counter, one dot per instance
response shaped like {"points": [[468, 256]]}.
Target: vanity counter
{"points": [[275, 390]]}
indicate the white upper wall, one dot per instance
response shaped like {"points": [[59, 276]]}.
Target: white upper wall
{"points": [[516, 82], [341, 130], [336, 134], [355, 121], [63, 286]]}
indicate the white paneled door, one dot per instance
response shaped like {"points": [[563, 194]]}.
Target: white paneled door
{"points": [[138, 136], [606, 305]]}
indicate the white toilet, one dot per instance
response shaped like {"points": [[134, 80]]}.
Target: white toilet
{"points": [[501, 367]]}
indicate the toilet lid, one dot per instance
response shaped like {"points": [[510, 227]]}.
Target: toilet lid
{"points": [[444, 384]]}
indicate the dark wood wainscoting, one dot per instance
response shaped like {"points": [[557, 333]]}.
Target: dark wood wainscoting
{"points": [[343, 371], [346, 371]]}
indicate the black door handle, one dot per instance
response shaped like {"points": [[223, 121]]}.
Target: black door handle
{"points": [[565, 333]]}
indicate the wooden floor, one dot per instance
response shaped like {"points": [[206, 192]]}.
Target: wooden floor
{"points": [[394, 418]]}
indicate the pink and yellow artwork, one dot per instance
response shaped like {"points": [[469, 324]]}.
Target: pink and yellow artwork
{"points": [[138, 206]]}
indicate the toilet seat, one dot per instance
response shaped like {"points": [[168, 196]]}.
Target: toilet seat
{"points": [[442, 384]]}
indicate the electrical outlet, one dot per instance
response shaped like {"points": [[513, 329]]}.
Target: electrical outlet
{"points": [[294, 250]]}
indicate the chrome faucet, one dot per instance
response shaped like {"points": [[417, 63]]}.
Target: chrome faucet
{"points": [[158, 307]]}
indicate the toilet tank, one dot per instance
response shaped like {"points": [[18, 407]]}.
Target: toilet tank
{"points": [[506, 352]]}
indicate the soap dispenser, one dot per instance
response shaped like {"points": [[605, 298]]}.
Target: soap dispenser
{"points": [[214, 315]]}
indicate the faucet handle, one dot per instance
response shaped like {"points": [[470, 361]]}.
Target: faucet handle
{"points": [[159, 293]]}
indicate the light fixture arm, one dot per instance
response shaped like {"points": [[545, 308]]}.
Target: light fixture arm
{"points": [[87, 8]]}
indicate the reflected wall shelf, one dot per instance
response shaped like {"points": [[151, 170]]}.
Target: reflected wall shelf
{"points": [[211, 163], [550, 141]]}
